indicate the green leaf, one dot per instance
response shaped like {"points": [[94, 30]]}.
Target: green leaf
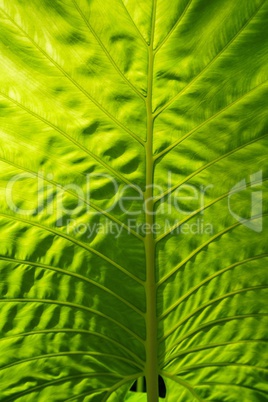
{"points": [[133, 212], [136, 397]]}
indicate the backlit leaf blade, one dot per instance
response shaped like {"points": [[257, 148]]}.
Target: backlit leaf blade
{"points": [[102, 107]]}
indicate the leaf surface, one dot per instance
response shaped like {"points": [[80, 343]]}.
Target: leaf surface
{"points": [[133, 200]]}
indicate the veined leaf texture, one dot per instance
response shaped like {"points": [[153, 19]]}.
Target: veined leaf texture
{"points": [[133, 209]]}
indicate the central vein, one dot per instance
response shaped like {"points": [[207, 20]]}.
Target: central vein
{"points": [[151, 368]]}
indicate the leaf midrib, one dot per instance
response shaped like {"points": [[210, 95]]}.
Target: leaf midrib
{"points": [[151, 365]]}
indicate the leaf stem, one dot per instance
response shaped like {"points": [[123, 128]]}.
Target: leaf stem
{"points": [[151, 367]]}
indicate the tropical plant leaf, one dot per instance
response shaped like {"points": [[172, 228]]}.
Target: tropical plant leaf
{"points": [[133, 200]]}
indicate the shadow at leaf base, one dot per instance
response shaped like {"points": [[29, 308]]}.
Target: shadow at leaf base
{"points": [[161, 387]]}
